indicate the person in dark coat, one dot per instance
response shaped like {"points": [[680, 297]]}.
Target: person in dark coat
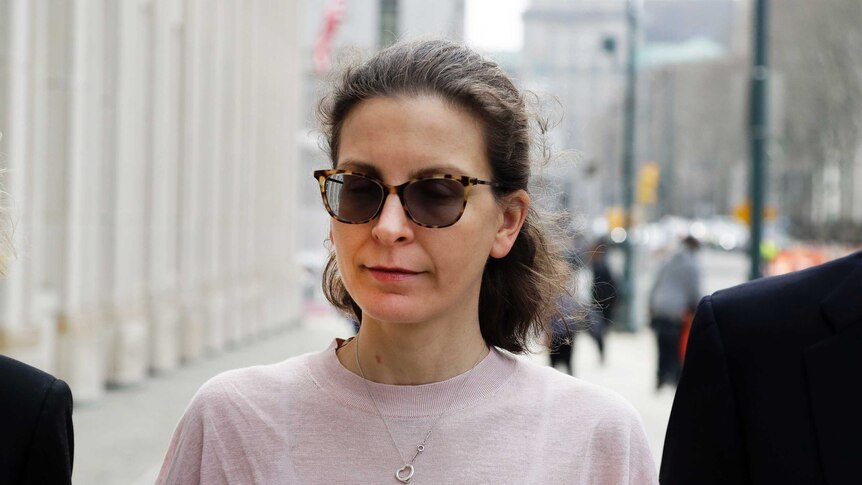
{"points": [[770, 392], [604, 295], [36, 438], [563, 329]]}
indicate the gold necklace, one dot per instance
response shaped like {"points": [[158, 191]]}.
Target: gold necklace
{"points": [[405, 473]]}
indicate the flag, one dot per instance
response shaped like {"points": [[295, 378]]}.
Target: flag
{"points": [[332, 15]]}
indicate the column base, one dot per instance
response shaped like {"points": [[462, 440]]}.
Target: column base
{"points": [[128, 359], [81, 354], [165, 336], [191, 329]]}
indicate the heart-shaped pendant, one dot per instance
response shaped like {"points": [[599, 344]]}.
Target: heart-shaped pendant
{"points": [[405, 473]]}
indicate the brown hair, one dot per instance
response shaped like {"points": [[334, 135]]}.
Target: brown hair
{"points": [[519, 292]]}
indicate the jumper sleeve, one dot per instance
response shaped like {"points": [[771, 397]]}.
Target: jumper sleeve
{"points": [[704, 442], [620, 452], [643, 465], [184, 457]]}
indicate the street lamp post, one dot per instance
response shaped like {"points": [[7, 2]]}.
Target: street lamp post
{"points": [[759, 132], [628, 289]]}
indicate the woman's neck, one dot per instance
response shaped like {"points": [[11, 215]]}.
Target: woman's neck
{"points": [[412, 353]]}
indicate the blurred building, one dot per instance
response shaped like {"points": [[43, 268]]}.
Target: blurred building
{"points": [[695, 113], [574, 58], [816, 152], [151, 162], [576, 51], [693, 105]]}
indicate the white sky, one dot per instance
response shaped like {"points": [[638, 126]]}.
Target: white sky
{"points": [[494, 25]]}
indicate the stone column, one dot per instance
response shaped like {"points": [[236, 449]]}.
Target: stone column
{"points": [[250, 288], [17, 337], [191, 179], [41, 250], [213, 192], [162, 273], [81, 324], [128, 329], [233, 166], [288, 160]]}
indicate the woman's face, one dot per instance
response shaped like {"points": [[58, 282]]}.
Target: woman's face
{"points": [[398, 271]]}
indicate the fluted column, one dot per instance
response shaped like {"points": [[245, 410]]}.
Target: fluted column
{"points": [[192, 179], [213, 176], [267, 180], [17, 338], [249, 299], [43, 265], [232, 121], [128, 329], [291, 79], [162, 272], [81, 325]]}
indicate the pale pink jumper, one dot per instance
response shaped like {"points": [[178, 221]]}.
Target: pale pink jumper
{"points": [[309, 420]]}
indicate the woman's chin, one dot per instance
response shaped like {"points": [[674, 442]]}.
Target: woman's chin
{"points": [[401, 311]]}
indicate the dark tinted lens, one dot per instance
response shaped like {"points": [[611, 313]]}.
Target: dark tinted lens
{"points": [[353, 198], [435, 202]]}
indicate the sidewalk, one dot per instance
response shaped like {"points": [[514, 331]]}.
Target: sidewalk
{"points": [[122, 440]]}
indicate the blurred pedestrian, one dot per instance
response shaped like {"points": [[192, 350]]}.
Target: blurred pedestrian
{"points": [[674, 296], [604, 291], [36, 438], [563, 330], [439, 254], [770, 390]]}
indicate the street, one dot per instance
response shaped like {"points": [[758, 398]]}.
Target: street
{"points": [[123, 438]]}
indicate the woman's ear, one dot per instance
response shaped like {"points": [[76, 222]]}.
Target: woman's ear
{"points": [[515, 209]]}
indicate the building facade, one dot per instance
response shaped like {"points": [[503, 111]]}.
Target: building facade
{"points": [[151, 159], [574, 58]]}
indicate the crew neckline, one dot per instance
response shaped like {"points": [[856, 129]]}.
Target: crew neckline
{"points": [[411, 401]]}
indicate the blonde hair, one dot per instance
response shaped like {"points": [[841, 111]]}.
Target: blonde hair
{"points": [[5, 223]]}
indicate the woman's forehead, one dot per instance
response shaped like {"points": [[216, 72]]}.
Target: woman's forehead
{"points": [[409, 137]]}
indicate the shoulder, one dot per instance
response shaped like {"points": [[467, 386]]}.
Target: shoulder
{"points": [[36, 412], [19, 374], [780, 298], [572, 399], [256, 384], [241, 401], [597, 427], [26, 386], [815, 280], [771, 320]]}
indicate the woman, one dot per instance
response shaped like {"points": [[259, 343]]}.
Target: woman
{"points": [[440, 257]]}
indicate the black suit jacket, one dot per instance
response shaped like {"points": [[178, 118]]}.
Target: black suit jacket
{"points": [[771, 391], [36, 445]]}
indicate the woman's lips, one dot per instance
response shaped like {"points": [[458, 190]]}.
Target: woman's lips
{"points": [[391, 274]]}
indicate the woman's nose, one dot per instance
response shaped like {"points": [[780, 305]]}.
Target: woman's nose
{"points": [[392, 225]]}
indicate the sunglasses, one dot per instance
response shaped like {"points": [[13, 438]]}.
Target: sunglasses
{"points": [[436, 201]]}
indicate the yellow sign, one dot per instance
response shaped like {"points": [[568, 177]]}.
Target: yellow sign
{"points": [[743, 212], [616, 217], [648, 180]]}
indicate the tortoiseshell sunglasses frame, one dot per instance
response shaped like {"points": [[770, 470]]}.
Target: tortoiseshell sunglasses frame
{"points": [[467, 182]]}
